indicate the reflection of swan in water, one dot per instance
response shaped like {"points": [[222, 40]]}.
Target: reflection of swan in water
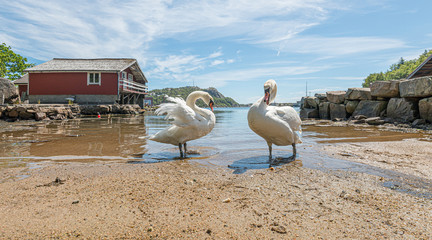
{"points": [[190, 121], [277, 125]]}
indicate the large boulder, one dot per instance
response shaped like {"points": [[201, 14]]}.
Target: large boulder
{"points": [[351, 106], [321, 97], [8, 91], [403, 109], [416, 87], [324, 110], [26, 115], [385, 89], [425, 109], [337, 111], [358, 94], [310, 102], [2, 111], [309, 113], [370, 108], [336, 96]]}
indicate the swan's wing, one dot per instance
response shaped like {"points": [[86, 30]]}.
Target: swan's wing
{"points": [[290, 116], [181, 114]]}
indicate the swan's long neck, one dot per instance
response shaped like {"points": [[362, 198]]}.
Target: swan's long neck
{"points": [[191, 102], [191, 99], [273, 92]]}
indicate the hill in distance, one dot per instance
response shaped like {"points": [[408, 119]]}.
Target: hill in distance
{"points": [[219, 99]]}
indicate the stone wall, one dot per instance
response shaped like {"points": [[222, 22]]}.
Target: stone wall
{"points": [[403, 101], [40, 112]]}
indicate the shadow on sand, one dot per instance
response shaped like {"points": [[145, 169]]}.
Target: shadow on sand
{"points": [[258, 162]]}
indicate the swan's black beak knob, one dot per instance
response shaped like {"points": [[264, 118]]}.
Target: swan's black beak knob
{"points": [[267, 96], [211, 104]]}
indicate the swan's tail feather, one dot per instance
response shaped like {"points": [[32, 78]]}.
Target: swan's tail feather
{"points": [[298, 135]]}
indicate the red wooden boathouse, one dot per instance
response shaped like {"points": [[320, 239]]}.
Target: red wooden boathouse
{"points": [[87, 81]]}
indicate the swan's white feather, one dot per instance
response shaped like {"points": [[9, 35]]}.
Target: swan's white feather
{"points": [[181, 114], [277, 125], [189, 121]]}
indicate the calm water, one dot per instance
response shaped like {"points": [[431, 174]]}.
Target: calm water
{"points": [[231, 144]]}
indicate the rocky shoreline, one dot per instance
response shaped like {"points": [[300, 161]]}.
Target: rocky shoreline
{"points": [[399, 102], [39, 112]]}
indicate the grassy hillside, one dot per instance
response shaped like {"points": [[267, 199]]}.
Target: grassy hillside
{"points": [[219, 99]]}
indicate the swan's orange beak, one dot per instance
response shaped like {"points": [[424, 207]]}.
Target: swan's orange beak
{"points": [[267, 96], [211, 104]]}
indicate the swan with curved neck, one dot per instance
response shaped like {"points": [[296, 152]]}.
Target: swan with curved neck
{"points": [[190, 122], [277, 125]]}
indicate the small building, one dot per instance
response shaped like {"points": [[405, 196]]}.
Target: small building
{"points": [[22, 84], [423, 70], [87, 81]]}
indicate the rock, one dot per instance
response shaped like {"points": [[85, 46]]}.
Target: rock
{"points": [[26, 115], [40, 116], [336, 96], [358, 94], [337, 111], [309, 113], [20, 109], [402, 109], [8, 91], [375, 121], [321, 96], [351, 106], [103, 109], [360, 121], [370, 108], [279, 229], [324, 110], [310, 102], [13, 113], [416, 87], [418, 122], [359, 117], [425, 109], [385, 89]]}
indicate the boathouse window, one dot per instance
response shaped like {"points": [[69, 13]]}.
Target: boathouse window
{"points": [[93, 79], [130, 77], [123, 75]]}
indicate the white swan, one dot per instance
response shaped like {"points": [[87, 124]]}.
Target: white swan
{"points": [[189, 121], [277, 125]]}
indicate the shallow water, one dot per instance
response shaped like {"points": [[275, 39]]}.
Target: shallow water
{"points": [[231, 144]]}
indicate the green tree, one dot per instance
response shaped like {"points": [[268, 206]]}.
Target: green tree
{"points": [[399, 70], [12, 65]]}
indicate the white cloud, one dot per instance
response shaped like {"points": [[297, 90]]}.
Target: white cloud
{"points": [[215, 54], [217, 62], [101, 29]]}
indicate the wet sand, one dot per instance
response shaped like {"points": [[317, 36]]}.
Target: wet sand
{"points": [[183, 199], [189, 201]]}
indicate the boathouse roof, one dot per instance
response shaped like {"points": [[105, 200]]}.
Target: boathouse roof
{"points": [[88, 65], [424, 69]]}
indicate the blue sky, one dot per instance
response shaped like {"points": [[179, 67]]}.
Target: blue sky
{"points": [[234, 46]]}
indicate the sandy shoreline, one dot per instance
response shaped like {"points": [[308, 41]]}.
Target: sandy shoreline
{"points": [[188, 201]]}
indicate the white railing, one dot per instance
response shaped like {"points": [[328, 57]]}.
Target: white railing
{"points": [[134, 87]]}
